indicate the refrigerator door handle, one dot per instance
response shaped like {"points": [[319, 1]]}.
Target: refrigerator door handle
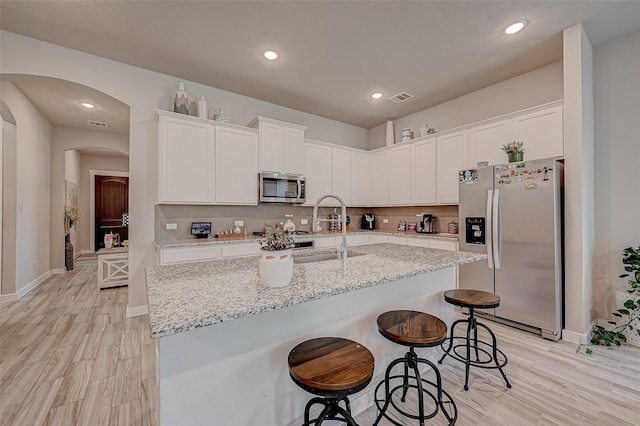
{"points": [[495, 225], [489, 228]]}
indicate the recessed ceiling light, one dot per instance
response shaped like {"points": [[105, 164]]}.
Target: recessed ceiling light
{"points": [[87, 105], [514, 28], [376, 95], [270, 55]]}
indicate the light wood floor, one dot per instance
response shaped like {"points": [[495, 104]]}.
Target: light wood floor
{"points": [[69, 356]]}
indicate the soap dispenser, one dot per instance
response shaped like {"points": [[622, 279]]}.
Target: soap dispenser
{"points": [[289, 226]]}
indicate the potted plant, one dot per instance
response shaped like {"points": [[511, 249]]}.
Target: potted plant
{"points": [[276, 263], [514, 150], [627, 327]]}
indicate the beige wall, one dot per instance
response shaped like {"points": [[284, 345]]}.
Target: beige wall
{"points": [[617, 151], [32, 163], [528, 90]]}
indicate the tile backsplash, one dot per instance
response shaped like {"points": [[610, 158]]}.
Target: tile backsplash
{"points": [[255, 217]]}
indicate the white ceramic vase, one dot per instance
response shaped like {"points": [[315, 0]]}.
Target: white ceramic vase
{"points": [[390, 139], [181, 100], [276, 268], [632, 336]]}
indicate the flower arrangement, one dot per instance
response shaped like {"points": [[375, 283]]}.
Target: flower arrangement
{"points": [[513, 147], [276, 238], [71, 217]]}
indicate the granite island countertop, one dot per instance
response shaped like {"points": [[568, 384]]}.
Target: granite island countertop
{"points": [[190, 242], [182, 297]]}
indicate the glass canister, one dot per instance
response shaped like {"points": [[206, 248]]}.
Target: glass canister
{"points": [[453, 227], [406, 134]]}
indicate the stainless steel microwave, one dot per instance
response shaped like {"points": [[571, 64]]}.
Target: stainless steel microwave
{"points": [[281, 188]]}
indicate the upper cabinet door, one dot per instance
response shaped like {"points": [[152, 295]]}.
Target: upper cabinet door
{"points": [[400, 175], [379, 178], [341, 175], [452, 157], [486, 142], [317, 170], [281, 146], [236, 170], [360, 179], [186, 158], [423, 172], [542, 133]]}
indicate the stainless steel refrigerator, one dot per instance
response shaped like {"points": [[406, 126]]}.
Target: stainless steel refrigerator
{"points": [[513, 213]]}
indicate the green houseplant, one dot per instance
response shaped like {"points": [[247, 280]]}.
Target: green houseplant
{"points": [[514, 150], [628, 313], [276, 263]]}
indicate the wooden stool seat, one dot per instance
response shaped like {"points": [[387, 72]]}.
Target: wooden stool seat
{"points": [[333, 368], [472, 298], [412, 328]]}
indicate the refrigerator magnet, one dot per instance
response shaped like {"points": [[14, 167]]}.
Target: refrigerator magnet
{"points": [[530, 185]]}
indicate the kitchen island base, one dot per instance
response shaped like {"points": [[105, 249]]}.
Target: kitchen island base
{"points": [[236, 373]]}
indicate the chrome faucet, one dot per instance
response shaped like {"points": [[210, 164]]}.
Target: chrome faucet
{"points": [[316, 222]]}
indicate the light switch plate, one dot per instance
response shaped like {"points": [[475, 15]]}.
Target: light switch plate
{"points": [[172, 226], [304, 222], [385, 220], [238, 223]]}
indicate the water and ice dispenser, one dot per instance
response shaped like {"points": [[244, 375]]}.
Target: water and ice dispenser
{"points": [[475, 230]]}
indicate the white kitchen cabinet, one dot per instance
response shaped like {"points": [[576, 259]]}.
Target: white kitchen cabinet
{"points": [[327, 242], [419, 242], [360, 179], [171, 255], [443, 244], [281, 146], [341, 175], [452, 157], [397, 239], [243, 249], [317, 167], [185, 160], [357, 239], [486, 142], [400, 175], [236, 166], [379, 178], [379, 238], [423, 172], [542, 133]]}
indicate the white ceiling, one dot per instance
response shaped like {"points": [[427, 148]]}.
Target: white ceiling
{"points": [[333, 54]]}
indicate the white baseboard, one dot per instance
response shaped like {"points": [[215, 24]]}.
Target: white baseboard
{"points": [[573, 337], [137, 311], [33, 284], [58, 271], [86, 251], [6, 298]]}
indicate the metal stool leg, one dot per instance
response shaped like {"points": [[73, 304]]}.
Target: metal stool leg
{"points": [[453, 326], [414, 364], [495, 354], [387, 392]]}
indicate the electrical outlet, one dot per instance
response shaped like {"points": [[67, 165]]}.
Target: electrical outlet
{"points": [[304, 222], [385, 220], [33, 265], [172, 226], [238, 223]]}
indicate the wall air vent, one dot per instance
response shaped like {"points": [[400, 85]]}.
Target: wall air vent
{"points": [[400, 97], [97, 123]]}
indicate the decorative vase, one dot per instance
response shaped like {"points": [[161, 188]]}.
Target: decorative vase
{"points": [[632, 336], [276, 268], [68, 253], [515, 156], [221, 117], [203, 107], [181, 100], [390, 139]]}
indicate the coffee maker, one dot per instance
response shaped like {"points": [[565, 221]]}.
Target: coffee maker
{"points": [[427, 224], [368, 221]]}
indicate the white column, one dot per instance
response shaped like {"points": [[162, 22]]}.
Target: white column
{"points": [[579, 182]]}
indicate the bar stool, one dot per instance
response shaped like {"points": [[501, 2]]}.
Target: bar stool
{"points": [[487, 355], [331, 368], [415, 330]]}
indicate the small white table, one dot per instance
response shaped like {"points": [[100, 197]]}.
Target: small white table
{"points": [[113, 267]]}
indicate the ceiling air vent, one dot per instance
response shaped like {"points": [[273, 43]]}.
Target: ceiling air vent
{"points": [[97, 123], [400, 97]]}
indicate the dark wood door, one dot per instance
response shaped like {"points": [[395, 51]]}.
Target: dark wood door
{"points": [[112, 200]]}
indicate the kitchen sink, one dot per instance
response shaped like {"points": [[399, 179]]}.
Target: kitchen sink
{"points": [[324, 256]]}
